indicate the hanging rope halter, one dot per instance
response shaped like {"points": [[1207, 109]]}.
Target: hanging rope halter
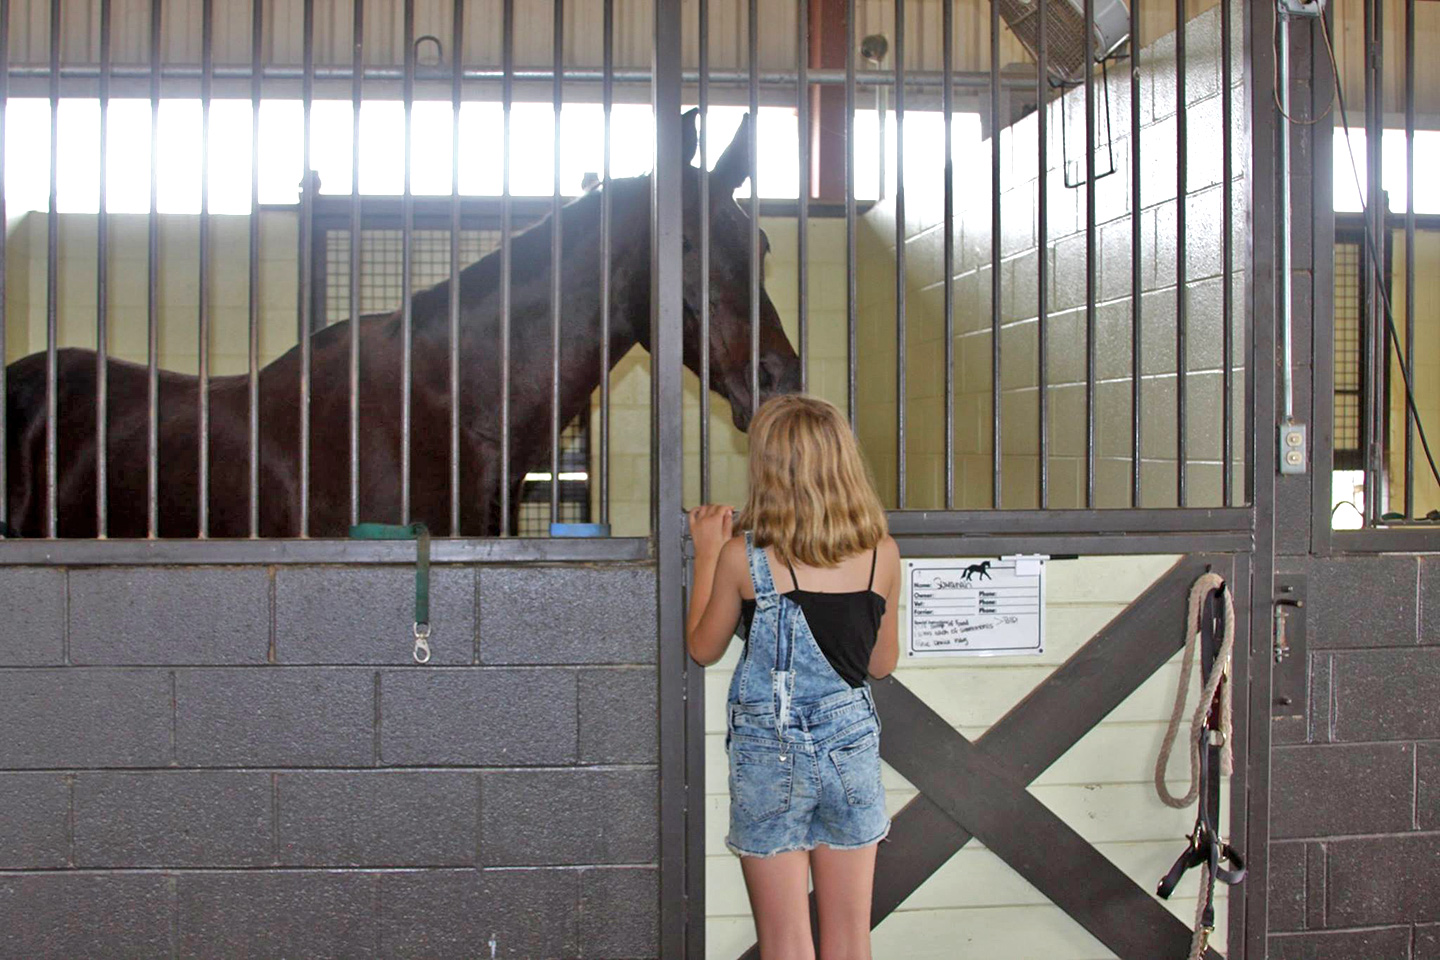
{"points": [[1210, 725]]}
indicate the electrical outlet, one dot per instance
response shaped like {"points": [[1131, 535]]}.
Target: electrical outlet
{"points": [[1293, 453], [1301, 8]]}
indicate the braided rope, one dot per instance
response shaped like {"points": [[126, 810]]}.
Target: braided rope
{"points": [[1221, 670]]}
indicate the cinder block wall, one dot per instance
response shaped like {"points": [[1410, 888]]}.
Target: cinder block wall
{"points": [[1354, 859], [1065, 250], [1355, 783], [240, 761]]}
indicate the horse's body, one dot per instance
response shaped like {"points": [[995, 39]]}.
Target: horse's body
{"points": [[380, 389]]}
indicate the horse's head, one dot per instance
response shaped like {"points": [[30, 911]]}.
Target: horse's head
{"points": [[730, 283]]}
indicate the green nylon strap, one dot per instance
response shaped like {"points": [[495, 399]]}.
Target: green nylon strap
{"points": [[421, 535]]}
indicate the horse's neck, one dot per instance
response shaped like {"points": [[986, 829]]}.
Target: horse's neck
{"points": [[531, 313]]}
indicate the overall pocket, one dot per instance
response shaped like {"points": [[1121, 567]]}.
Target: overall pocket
{"points": [[759, 781], [858, 764]]}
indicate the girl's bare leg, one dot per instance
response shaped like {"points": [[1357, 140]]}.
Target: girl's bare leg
{"points": [[779, 888], [844, 880]]}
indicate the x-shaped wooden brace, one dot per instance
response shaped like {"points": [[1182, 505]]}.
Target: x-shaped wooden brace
{"points": [[979, 789]]}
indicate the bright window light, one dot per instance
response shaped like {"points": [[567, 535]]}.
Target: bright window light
{"points": [[1392, 176], [382, 156], [1347, 500]]}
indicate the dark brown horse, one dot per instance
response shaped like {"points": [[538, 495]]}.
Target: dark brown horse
{"points": [[381, 382]]}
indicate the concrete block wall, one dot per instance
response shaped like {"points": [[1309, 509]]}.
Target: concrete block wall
{"points": [[1355, 783], [1065, 249], [239, 761]]}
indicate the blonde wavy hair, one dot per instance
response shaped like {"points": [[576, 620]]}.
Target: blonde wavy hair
{"points": [[811, 495]]}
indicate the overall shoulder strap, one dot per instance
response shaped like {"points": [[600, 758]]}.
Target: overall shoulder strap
{"points": [[759, 571], [873, 554]]}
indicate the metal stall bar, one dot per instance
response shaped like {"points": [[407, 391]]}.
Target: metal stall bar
{"points": [[307, 265], [802, 226], [102, 299], [1136, 310], [1409, 251], [207, 38], [1042, 246], [507, 97], [1227, 240], [52, 286], [970, 80], [4, 313], [457, 48], [257, 10], [851, 290], [152, 335], [558, 22], [407, 267], [677, 715], [357, 40], [608, 97], [996, 447], [947, 107], [1181, 320], [1375, 210], [753, 47], [704, 144], [900, 386], [1089, 256]]}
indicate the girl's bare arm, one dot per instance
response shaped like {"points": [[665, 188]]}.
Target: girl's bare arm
{"points": [[720, 566]]}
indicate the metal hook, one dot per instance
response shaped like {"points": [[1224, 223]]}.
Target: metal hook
{"points": [[439, 50]]}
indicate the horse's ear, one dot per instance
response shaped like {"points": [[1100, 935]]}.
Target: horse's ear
{"points": [[691, 133], [733, 167]]}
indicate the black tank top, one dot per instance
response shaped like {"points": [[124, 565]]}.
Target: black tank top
{"points": [[845, 625]]}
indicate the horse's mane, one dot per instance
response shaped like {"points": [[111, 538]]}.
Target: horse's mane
{"points": [[529, 253]]}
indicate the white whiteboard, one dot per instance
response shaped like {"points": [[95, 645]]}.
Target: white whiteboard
{"points": [[974, 606]]}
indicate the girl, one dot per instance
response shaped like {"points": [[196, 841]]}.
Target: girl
{"points": [[802, 733]]}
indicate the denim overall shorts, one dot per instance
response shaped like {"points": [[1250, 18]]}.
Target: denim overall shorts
{"points": [[803, 745]]}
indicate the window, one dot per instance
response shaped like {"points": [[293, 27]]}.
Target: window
{"points": [[382, 155]]}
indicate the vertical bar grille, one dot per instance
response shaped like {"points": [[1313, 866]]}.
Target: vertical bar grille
{"points": [[357, 62], [900, 382], [1181, 197], [947, 28], [851, 280], [555, 249], [257, 13], [307, 232], [753, 60], [457, 49], [152, 264], [996, 436], [407, 229], [606, 208], [207, 37], [102, 295], [704, 145], [52, 285], [507, 95], [1137, 419]]}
